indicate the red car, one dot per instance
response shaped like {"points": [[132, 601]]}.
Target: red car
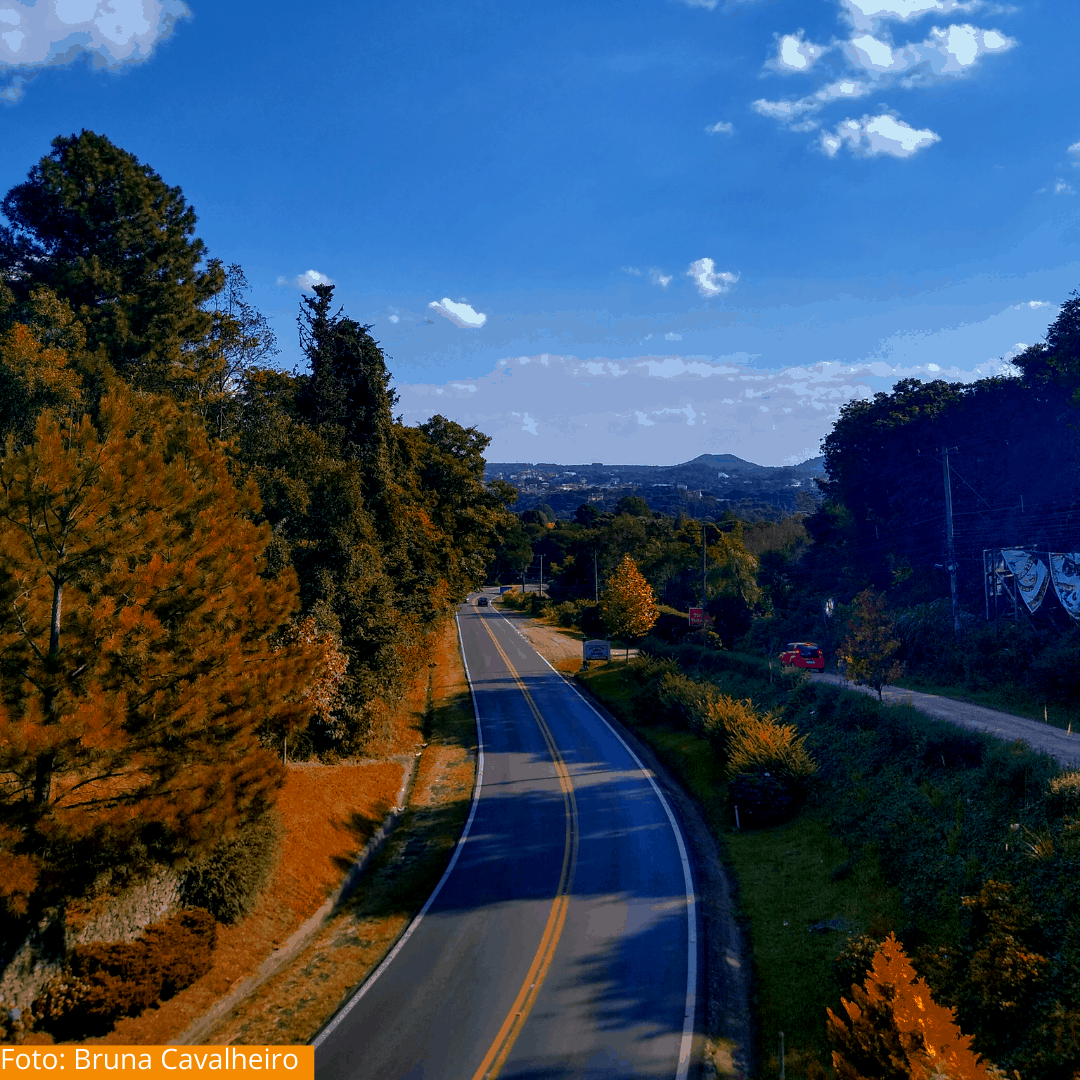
{"points": [[803, 654]]}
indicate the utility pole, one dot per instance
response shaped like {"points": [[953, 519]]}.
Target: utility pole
{"points": [[542, 575], [950, 548], [703, 595]]}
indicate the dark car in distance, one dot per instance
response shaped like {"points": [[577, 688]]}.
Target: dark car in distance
{"points": [[482, 602], [803, 654]]}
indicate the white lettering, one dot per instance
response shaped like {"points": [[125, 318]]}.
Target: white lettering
{"points": [[164, 1055], [294, 1061], [82, 1059]]}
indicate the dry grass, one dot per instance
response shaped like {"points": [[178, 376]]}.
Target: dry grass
{"points": [[291, 1007], [329, 813]]}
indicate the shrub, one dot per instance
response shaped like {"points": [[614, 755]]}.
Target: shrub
{"points": [[855, 960], [227, 882], [103, 982], [1063, 793], [759, 743], [762, 799]]}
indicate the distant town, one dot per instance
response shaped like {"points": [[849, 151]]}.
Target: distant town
{"points": [[705, 487]]}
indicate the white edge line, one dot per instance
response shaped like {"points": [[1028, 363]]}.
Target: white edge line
{"points": [[388, 959], [688, 880]]}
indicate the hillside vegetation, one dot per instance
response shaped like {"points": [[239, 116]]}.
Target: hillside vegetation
{"points": [[208, 566]]}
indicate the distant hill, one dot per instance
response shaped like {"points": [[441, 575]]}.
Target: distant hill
{"points": [[703, 487]]}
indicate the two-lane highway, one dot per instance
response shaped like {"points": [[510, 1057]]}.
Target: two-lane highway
{"points": [[562, 940]]}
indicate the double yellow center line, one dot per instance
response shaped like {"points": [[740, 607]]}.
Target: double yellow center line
{"points": [[522, 1005]]}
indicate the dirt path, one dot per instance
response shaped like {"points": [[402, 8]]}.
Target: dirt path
{"points": [[1046, 738]]}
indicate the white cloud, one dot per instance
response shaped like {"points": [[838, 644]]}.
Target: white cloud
{"points": [[794, 53], [654, 413], [661, 279], [459, 313], [709, 280], [866, 51], [788, 112], [870, 14], [1074, 153], [877, 63], [306, 281], [54, 33], [632, 270], [395, 318], [1062, 188], [948, 53], [721, 127], [873, 135], [527, 423], [673, 337]]}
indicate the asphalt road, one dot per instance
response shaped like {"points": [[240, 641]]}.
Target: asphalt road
{"points": [[562, 941], [1043, 737]]}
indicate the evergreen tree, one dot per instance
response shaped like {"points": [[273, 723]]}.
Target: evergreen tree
{"points": [[107, 235], [894, 1030], [313, 501], [136, 647]]}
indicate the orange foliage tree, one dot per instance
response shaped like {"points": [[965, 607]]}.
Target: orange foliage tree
{"points": [[896, 1031], [136, 646], [868, 651], [627, 603]]}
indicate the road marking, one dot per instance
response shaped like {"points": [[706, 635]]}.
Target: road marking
{"points": [[526, 997], [690, 1010], [370, 981]]}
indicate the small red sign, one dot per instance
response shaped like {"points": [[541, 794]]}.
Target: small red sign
{"points": [[697, 616]]}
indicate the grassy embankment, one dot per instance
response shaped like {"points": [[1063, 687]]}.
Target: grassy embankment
{"points": [[905, 817], [785, 883], [329, 812]]}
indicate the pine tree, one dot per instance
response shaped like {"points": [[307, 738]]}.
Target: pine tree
{"points": [[627, 603], [136, 646], [894, 1029], [106, 234]]}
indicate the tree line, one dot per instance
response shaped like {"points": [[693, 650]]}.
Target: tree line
{"points": [[204, 560]]}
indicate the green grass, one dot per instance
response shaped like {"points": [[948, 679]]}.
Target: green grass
{"points": [[1006, 698], [784, 877], [785, 883]]}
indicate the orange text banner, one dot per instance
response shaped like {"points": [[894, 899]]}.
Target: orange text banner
{"points": [[155, 1062]]}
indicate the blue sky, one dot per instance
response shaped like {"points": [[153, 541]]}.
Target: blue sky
{"points": [[626, 232]]}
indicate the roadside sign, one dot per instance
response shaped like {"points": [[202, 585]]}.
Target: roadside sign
{"points": [[596, 649], [697, 617]]}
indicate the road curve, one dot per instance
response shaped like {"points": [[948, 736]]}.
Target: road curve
{"points": [[562, 941]]}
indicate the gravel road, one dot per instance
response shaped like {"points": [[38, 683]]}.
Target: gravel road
{"points": [[1064, 748]]}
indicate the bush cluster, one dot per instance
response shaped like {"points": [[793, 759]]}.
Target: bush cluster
{"points": [[228, 880], [766, 761], [1029, 660], [104, 982]]}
